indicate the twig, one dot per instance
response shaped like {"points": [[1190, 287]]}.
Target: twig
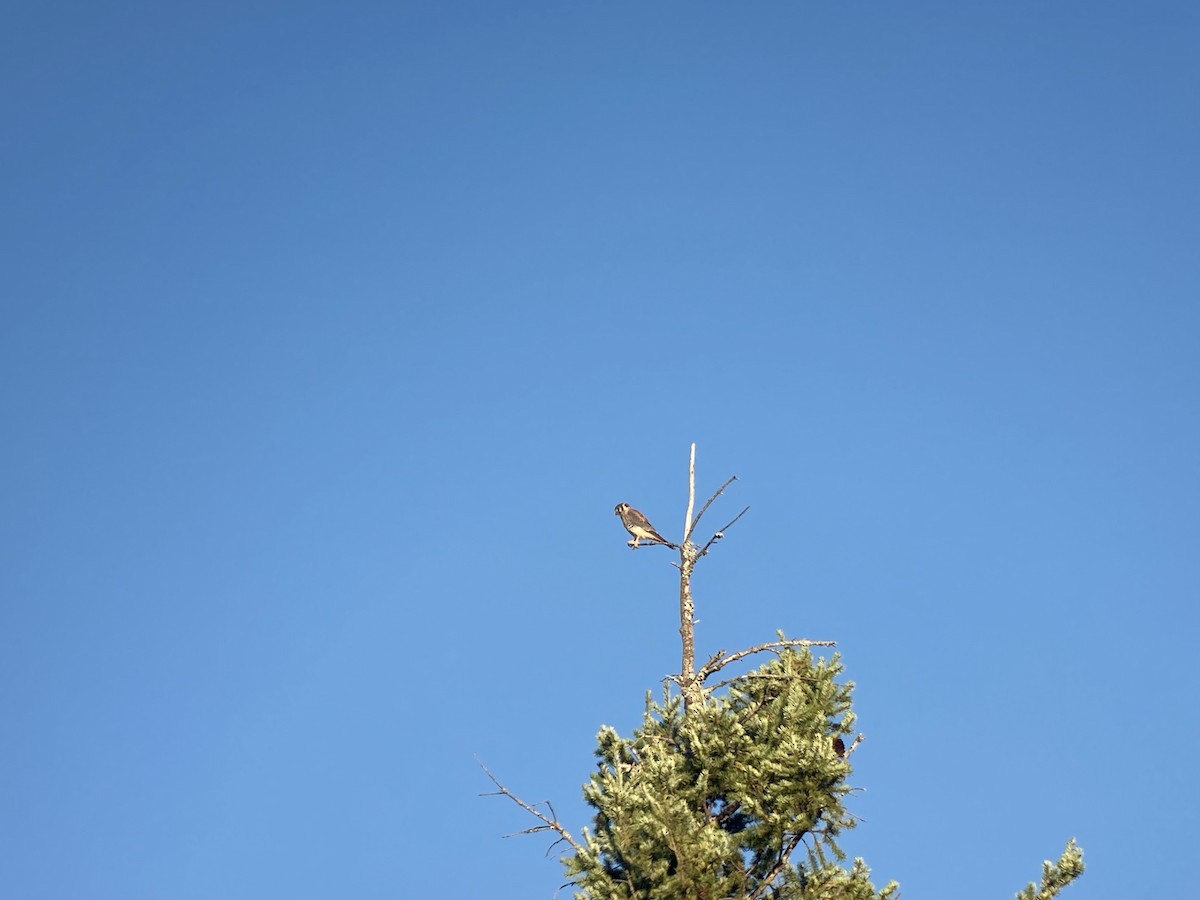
{"points": [[721, 533], [692, 526], [549, 824], [854, 746], [651, 542], [719, 660], [712, 659]]}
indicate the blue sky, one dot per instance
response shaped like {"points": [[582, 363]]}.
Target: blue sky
{"points": [[332, 336]]}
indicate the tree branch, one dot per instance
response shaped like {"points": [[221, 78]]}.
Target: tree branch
{"points": [[854, 746], [549, 824], [720, 534], [687, 519], [719, 660], [692, 526], [1056, 876], [650, 542], [784, 858]]}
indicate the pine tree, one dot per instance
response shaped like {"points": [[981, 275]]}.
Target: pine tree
{"points": [[734, 790], [712, 801]]}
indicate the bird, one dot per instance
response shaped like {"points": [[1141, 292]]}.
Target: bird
{"points": [[638, 525]]}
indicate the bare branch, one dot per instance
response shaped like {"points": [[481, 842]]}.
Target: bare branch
{"points": [[720, 660], [712, 659], [531, 830], [784, 858], [650, 542], [687, 521], [720, 534], [692, 526], [548, 824], [858, 740]]}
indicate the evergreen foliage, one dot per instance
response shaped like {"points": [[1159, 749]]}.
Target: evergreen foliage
{"points": [[1056, 876], [713, 802]]}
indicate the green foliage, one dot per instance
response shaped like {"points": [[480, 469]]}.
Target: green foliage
{"points": [[712, 803], [1056, 876]]}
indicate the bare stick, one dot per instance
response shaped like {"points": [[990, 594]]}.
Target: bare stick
{"points": [[692, 526], [720, 534], [549, 824], [651, 542], [719, 660], [712, 659], [687, 522], [858, 740]]}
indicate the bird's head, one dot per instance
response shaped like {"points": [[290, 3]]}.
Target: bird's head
{"points": [[621, 509]]}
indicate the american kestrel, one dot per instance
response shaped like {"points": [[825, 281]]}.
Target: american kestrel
{"points": [[638, 525]]}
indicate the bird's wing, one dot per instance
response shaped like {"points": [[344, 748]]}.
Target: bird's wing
{"points": [[636, 518]]}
